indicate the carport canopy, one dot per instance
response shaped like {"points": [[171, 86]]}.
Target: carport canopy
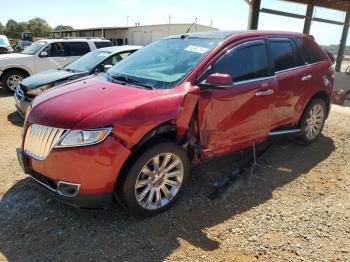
{"points": [[340, 5]]}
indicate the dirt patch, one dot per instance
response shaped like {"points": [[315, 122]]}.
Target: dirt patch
{"points": [[298, 208]]}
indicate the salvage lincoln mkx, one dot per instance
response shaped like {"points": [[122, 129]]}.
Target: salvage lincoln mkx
{"points": [[133, 131]]}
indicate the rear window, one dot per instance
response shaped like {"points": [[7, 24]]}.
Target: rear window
{"points": [[282, 54], [311, 55], [78, 48], [101, 44]]}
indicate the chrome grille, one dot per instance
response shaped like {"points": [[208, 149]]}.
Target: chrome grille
{"points": [[40, 140]]}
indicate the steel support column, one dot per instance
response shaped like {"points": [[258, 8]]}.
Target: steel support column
{"points": [[254, 11], [342, 46], [308, 18]]}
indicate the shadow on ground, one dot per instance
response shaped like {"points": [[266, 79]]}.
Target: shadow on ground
{"points": [[36, 227], [15, 119], [3, 92]]}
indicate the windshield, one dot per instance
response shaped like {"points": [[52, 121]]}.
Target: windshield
{"points": [[34, 48], [88, 62], [164, 63]]}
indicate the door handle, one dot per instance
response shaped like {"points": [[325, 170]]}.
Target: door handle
{"points": [[264, 92], [307, 77]]}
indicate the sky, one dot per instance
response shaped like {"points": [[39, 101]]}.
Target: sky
{"points": [[223, 14]]}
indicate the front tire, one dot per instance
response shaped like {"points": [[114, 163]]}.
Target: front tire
{"points": [[312, 121], [11, 78], [155, 180]]}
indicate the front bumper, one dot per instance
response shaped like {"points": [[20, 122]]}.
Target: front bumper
{"points": [[95, 168]]}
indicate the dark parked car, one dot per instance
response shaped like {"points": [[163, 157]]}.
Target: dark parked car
{"points": [[21, 45], [96, 61], [133, 132]]}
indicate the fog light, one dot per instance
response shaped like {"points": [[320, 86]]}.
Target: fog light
{"points": [[68, 189]]}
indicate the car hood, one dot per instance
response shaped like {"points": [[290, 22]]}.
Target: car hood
{"points": [[95, 102], [13, 56], [48, 77]]}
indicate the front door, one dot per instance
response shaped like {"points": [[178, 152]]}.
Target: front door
{"points": [[56, 57], [236, 117]]}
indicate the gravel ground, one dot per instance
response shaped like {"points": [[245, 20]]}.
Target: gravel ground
{"points": [[296, 209]]}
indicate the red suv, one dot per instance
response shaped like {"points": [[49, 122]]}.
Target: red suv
{"points": [[134, 131]]}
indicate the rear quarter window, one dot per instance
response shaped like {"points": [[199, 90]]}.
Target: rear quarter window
{"points": [[308, 51], [78, 48], [101, 44]]}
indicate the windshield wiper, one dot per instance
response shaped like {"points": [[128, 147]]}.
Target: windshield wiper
{"points": [[132, 81]]}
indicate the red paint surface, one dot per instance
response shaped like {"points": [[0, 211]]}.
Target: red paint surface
{"points": [[228, 120], [95, 167]]}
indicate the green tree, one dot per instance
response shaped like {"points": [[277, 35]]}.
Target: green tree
{"points": [[22, 27], [12, 30], [39, 27], [2, 28], [63, 27]]}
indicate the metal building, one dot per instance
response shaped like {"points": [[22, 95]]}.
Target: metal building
{"points": [[134, 35]]}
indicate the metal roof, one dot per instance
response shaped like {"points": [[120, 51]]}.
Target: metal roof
{"points": [[342, 5]]}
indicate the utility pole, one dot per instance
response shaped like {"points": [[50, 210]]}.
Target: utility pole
{"points": [[127, 21]]}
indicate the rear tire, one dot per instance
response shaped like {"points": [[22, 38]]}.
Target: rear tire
{"points": [[11, 78], [312, 121], [155, 180]]}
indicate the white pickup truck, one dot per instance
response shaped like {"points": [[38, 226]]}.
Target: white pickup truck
{"points": [[43, 55]]}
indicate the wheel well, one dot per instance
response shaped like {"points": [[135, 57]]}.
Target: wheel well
{"points": [[15, 69], [165, 131], [322, 95], [161, 133]]}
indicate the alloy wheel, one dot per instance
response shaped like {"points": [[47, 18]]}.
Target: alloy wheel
{"points": [[159, 181], [314, 122], [13, 80]]}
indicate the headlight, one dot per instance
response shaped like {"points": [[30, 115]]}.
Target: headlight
{"points": [[84, 137], [37, 91]]}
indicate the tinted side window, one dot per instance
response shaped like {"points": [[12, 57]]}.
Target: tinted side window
{"points": [[78, 48], [117, 58], [101, 44], [55, 50], [244, 63], [282, 54], [310, 54]]}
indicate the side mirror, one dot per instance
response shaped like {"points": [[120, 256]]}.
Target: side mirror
{"points": [[221, 81], [106, 67], [43, 54]]}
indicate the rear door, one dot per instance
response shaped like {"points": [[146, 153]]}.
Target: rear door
{"points": [[293, 76], [320, 68], [233, 118]]}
